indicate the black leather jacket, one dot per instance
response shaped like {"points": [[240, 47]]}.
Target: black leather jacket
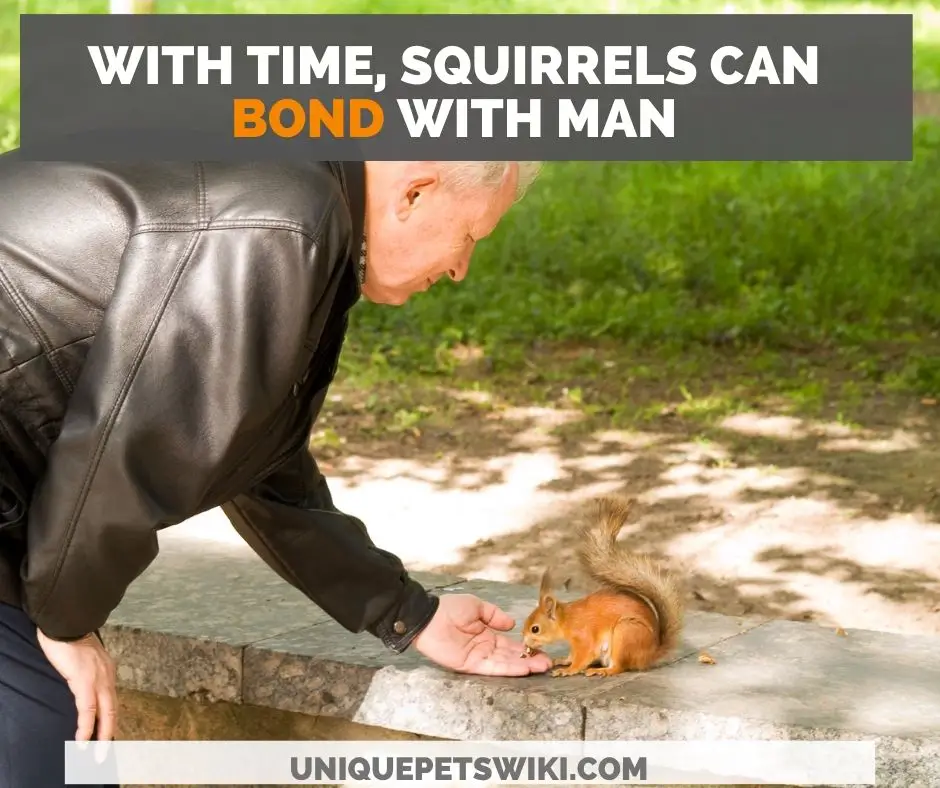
{"points": [[167, 336]]}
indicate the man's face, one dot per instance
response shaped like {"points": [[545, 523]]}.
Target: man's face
{"points": [[420, 230]]}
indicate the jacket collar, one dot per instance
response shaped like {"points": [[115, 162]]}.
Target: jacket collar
{"points": [[354, 176]]}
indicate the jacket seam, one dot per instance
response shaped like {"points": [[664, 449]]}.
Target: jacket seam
{"points": [[315, 239], [39, 335], [15, 365], [196, 229], [201, 195], [245, 456], [238, 224], [24, 380], [109, 424]]}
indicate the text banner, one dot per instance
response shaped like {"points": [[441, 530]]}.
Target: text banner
{"points": [[545, 87]]}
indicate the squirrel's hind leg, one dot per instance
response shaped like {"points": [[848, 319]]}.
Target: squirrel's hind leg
{"points": [[632, 646]]}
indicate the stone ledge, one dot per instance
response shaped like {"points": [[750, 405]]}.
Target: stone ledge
{"points": [[211, 623]]}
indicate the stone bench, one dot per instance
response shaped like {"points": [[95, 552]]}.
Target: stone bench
{"points": [[211, 644]]}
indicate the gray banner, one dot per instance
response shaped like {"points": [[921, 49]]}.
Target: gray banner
{"points": [[616, 87]]}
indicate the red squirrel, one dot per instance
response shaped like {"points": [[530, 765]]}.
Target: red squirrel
{"points": [[633, 621]]}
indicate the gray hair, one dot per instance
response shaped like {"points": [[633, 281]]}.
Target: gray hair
{"points": [[488, 174]]}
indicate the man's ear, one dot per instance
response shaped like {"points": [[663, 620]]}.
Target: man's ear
{"points": [[418, 187], [417, 178]]}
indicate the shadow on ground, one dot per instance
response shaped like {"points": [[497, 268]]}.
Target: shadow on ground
{"points": [[767, 512]]}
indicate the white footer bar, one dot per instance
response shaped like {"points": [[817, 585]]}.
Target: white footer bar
{"points": [[472, 762]]}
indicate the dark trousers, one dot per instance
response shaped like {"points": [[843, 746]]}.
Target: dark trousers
{"points": [[37, 709]]}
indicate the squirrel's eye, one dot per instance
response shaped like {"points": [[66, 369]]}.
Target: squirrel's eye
{"points": [[535, 629]]}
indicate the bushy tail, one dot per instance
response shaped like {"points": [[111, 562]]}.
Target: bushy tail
{"points": [[617, 569]]}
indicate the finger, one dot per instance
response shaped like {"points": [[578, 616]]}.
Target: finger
{"points": [[87, 706], [107, 712], [494, 617]]}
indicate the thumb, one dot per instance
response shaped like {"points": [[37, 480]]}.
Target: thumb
{"points": [[494, 617]]}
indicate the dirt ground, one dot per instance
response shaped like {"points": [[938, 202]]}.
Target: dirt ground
{"points": [[820, 518]]}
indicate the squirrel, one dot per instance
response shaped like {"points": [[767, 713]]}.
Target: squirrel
{"points": [[632, 622]]}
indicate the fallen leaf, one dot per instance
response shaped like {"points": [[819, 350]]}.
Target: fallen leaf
{"points": [[929, 401], [841, 632], [706, 659]]}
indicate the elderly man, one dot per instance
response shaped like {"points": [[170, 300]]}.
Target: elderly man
{"points": [[168, 333]]}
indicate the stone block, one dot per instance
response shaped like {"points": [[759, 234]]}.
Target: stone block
{"points": [[221, 592], [211, 643], [801, 675], [172, 666], [792, 680], [181, 627]]}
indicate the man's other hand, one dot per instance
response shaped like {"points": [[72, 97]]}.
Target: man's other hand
{"points": [[464, 636], [89, 671]]}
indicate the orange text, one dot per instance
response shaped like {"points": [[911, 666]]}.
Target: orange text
{"points": [[357, 117]]}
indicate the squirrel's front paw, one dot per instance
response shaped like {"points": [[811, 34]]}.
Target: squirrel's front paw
{"points": [[561, 662]]}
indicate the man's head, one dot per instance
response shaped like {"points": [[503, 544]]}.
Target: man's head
{"points": [[424, 219]]}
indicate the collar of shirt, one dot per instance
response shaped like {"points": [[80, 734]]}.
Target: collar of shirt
{"points": [[362, 262]]}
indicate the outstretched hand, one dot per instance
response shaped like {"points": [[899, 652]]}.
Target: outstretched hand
{"points": [[464, 636]]}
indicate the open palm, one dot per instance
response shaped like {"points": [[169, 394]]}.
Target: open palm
{"points": [[464, 636]]}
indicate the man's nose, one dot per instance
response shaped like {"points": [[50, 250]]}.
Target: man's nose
{"points": [[459, 272]]}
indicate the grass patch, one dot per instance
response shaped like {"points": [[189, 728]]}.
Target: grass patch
{"points": [[781, 256]]}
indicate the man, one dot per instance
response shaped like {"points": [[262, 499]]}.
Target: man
{"points": [[167, 337]]}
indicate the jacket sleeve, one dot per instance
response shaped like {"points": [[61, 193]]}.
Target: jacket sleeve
{"points": [[291, 522], [201, 343]]}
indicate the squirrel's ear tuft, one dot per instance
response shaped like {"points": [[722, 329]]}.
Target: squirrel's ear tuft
{"points": [[545, 588]]}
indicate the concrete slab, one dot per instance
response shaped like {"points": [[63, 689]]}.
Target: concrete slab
{"points": [[213, 592], [181, 627], [325, 670], [801, 675], [217, 624], [223, 593], [174, 667], [791, 680]]}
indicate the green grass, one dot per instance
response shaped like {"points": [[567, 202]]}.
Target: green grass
{"points": [[783, 255]]}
